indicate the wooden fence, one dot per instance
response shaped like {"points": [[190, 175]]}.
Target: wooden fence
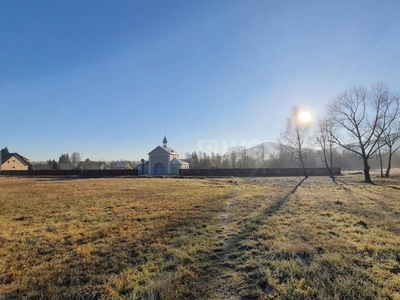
{"points": [[84, 173], [259, 172], [183, 172]]}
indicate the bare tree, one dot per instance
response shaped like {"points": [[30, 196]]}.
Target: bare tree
{"points": [[390, 138], [295, 137], [380, 158], [261, 154], [233, 153], [218, 160], [323, 137], [226, 161], [75, 158], [243, 160], [360, 119]]}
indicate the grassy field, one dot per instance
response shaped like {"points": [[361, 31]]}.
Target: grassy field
{"points": [[256, 238]]}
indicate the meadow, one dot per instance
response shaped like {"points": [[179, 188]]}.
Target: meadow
{"points": [[209, 238]]}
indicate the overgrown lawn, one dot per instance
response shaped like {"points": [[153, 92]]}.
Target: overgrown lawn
{"points": [[166, 238]]}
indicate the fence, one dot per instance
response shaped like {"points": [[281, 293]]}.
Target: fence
{"points": [[259, 172], [183, 172], [84, 173]]}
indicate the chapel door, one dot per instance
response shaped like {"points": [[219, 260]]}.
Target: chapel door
{"points": [[159, 169]]}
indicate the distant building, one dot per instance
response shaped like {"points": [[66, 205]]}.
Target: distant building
{"points": [[41, 166], [87, 165], [102, 165], [91, 165], [14, 161], [123, 165], [66, 166], [162, 161]]}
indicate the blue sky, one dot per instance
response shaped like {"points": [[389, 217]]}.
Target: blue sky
{"points": [[108, 78]]}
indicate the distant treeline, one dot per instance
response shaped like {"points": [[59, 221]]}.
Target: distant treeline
{"points": [[260, 172], [242, 158]]}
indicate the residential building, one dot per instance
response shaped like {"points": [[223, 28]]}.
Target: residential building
{"points": [[14, 161], [123, 165], [87, 165], [41, 166], [102, 165]]}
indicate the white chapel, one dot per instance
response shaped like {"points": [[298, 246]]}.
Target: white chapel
{"points": [[162, 161]]}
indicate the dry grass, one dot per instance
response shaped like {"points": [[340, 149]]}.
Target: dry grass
{"points": [[259, 238]]}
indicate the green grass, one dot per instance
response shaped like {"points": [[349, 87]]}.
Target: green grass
{"points": [[256, 238]]}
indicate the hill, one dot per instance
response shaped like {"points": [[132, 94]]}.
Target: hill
{"points": [[269, 148]]}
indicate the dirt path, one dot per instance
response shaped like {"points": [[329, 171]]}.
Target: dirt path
{"points": [[231, 258], [225, 252]]}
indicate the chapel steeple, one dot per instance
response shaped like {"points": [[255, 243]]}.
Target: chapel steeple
{"points": [[165, 142]]}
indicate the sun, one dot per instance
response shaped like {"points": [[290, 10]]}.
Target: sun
{"points": [[305, 116]]}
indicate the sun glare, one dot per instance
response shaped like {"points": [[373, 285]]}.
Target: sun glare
{"points": [[304, 116]]}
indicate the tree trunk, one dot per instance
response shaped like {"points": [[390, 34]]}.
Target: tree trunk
{"points": [[380, 161], [328, 165], [367, 176], [331, 173], [331, 161], [304, 168], [389, 164]]}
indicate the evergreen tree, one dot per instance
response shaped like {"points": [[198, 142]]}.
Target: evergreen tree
{"points": [[55, 165], [4, 151], [64, 159]]}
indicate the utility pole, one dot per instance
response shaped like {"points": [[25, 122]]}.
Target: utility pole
{"points": [[142, 160], [82, 164]]}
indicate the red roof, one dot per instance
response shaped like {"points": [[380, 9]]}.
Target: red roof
{"points": [[7, 156]]}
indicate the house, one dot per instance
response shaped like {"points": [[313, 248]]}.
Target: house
{"points": [[66, 166], [87, 165], [163, 161], [102, 165], [13, 161], [123, 165], [41, 166]]}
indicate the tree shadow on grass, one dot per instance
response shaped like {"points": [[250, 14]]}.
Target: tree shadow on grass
{"points": [[334, 179], [278, 204], [233, 270], [357, 196], [194, 276], [228, 263]]}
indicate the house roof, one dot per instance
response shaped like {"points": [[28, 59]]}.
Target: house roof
{"points": [[7, 156], [122, 164], [166, 149], [41, 166], [176, 161], [66, 167], [88, 165]]}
